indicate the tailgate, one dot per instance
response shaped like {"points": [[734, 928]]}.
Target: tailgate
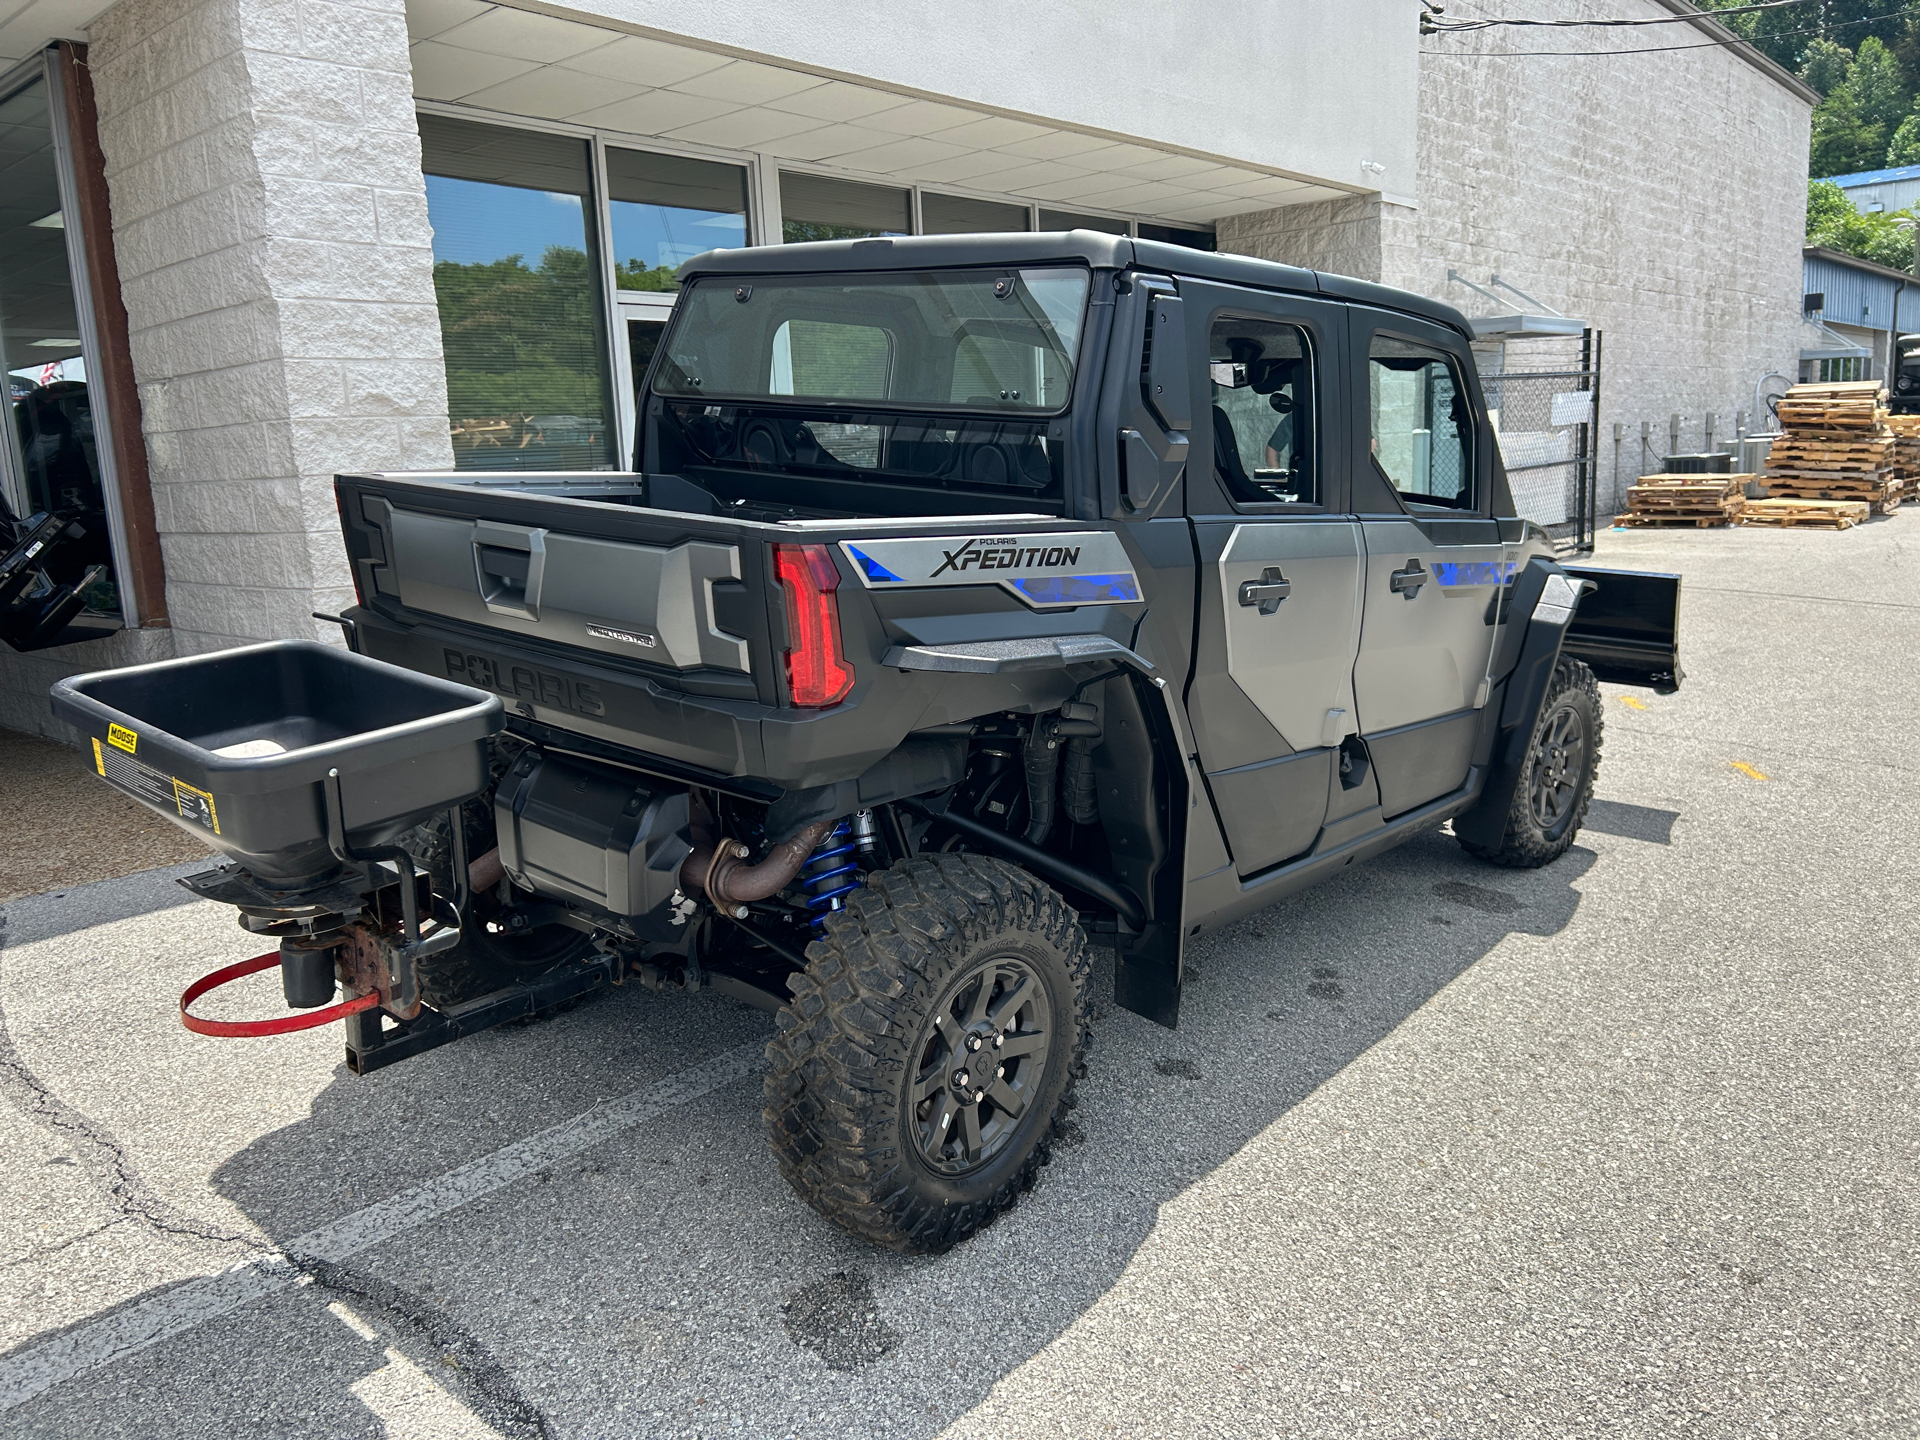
{"points": [[681, 598]]}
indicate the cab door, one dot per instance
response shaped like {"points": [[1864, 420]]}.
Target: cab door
{"points": [[1280, 560], [1434, 565]]}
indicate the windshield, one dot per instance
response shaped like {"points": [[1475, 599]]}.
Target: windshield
{"points": [[982, 341]]}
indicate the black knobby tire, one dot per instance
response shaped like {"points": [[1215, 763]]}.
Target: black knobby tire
{"points": [[1556, 781], [484, 960], [886, 1008]]}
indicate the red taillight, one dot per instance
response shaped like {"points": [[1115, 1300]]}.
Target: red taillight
{"points": [[817, 670]]}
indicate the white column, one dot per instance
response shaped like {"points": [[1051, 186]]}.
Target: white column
{"points": [[270, 223]]}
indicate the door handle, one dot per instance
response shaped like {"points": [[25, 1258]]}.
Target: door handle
{"points": [[1407, 582], [1267, 592]]}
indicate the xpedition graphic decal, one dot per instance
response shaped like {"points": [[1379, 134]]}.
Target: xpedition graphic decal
{"points": [[1046, 571]]}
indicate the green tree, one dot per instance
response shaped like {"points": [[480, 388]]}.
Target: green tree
{"points": [[1853, 125], [1826, 65], [1904, 149], [1833, 222]]}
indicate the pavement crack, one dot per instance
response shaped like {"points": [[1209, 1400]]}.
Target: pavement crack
{"points": [[489, 1387], [97, 1150]]}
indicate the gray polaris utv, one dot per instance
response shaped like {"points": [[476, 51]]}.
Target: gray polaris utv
{"points": [[972, 601]]}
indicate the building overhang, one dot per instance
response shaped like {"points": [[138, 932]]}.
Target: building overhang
{"points": [[1525, 327]]}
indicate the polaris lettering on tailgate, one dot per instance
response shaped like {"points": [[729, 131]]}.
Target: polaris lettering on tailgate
{"points": [[1046, 571], [523, 682]]}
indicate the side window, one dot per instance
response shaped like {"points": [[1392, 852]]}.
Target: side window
{"points": [[1422, 424], [1265, 446]]}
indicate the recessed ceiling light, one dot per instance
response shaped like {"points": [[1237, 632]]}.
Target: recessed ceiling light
{"points": [[56, 344], [55, 221]]}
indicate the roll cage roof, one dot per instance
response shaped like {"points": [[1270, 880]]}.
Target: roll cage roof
{"points": [[1089, 247]]}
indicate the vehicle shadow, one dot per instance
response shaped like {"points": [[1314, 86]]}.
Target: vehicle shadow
{"points": [[667, 1279]]}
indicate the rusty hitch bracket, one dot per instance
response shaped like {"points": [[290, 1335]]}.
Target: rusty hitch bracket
{"points": [[375, 1040], [405, 982]]}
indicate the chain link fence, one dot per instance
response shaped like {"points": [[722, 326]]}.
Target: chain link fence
{"points": [[1545, 420]]}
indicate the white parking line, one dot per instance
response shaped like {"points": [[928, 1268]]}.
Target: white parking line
{"points": [[38, 1368]]}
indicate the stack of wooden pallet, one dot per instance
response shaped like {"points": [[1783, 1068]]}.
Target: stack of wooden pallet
{"points": [[1685, 500], [1837, 446], [1906, 450], [1811, 514]]}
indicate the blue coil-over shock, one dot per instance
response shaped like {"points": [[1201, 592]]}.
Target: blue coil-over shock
{"points": [[830, 872]]}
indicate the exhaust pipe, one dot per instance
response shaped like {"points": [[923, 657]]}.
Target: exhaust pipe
{"points": [[720, 873]]}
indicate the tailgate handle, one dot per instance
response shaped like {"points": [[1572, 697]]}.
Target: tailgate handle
{"points": [[509, 563]]}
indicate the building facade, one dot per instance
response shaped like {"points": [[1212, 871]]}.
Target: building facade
{"points": [[306, 236]]}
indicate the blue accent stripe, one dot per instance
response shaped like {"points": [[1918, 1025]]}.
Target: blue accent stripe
{"points": [[1078, 589], [876, 572], [1473, 572]]}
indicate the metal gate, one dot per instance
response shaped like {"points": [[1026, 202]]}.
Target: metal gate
{"points": [[1547, 424]]}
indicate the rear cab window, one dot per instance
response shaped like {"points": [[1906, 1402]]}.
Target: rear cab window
{"points": [[789, 389], [1421, 429]]}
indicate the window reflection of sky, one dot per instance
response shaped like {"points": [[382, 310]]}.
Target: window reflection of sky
{"points": [[657, 235], [475, 222]]}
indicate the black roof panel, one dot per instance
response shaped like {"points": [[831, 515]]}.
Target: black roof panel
{"points": [[1115, 252]]}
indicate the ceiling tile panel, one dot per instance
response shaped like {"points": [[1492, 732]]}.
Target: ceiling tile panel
{"points": [[442, 72], [909, 154], [522, 35], [553, 93], [749, 129], [427, 18], [747, 83], [830, 142], [968, 167], [646, 62], [1055, 145], [923, 117], [655, 112], [993, 130], [838, 101]]}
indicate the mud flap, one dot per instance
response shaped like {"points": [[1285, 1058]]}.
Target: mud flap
{"points": [[1549, 596], [1148, 832]]}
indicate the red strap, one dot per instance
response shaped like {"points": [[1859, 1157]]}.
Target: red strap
{"points": [[285, 1025]]}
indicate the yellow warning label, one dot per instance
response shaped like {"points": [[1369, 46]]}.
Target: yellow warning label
{"points": [[195, 805], [122, 738], [99, 760]]}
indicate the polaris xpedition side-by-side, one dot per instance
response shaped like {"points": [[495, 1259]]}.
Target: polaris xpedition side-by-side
{"points": [[972, 601]]}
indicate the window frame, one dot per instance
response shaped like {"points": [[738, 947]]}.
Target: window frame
{"points": [[129, 578], [1325, 325], [1466, 381]]}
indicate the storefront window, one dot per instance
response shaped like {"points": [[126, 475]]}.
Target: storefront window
{"points": [[816, 207], [1074, 220], [517, 273], [961, 215], [50, 462], [666, 209]]}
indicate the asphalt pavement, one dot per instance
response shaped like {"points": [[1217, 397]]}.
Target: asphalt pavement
{"points": [[1621, 1147]]}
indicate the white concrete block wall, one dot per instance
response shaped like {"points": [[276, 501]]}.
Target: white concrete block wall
{"points": [[1587, 182], [270, 223]]}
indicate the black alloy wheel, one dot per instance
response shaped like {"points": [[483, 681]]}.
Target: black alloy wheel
{"points": [[983, 1055], [1559, 765]]}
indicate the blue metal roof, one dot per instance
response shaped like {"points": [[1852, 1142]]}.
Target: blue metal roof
{"points": [[1873, 177], [1858, 297]]}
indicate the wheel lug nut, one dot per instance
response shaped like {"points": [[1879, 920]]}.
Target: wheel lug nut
{"points": [[999, 1040], [962, 1079], [999, 1072], [973, 1042]]}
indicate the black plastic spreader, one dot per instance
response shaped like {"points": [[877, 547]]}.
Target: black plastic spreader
{"points": [[237, 747]]}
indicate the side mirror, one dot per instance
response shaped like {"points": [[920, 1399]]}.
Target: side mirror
{"points": [[1169, 390]]}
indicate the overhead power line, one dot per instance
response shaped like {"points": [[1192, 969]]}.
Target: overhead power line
{"points": [[1825, 29], [1432, 23]]}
